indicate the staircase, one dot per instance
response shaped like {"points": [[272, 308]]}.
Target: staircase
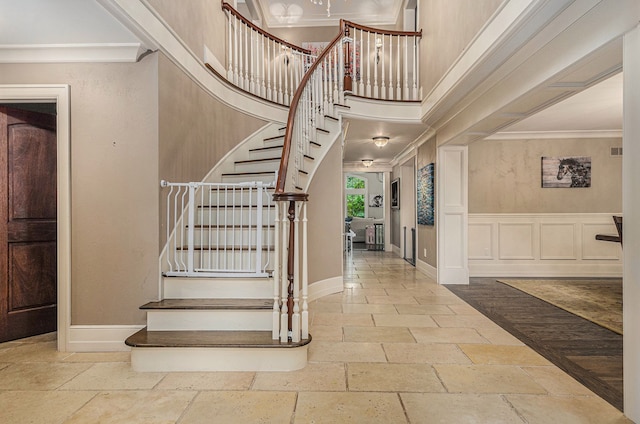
{"points": [[220, 314]]}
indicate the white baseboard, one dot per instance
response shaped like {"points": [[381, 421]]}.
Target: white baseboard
{"points": [[100, 338], [546, 270], [426, 269], [325, 287]]}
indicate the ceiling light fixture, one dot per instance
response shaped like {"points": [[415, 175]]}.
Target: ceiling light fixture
{"points": [[367, 162], [328, 6], [381, 141]]}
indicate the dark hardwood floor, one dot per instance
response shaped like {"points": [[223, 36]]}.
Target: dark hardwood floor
{"points": [[589, 353]]}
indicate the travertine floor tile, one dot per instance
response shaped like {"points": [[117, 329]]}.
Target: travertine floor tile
{"points": [[39, 375], [349, 408], [326, 333], [207, 381], [241, 407], [422, 353], [464, 321], [369, 377], [113, 376], [557, 382], [447, 335], [502, 355], [326, 307], [566, 410], [320, 376], [464, 309], [99, 357], [448, 408], [346, 352], [404, 320], [439, 299], [378, 334], [33, 352], [40, 407], [499, 336], [424, 309], [133, 407], [354, 308], [487, 379], [341, 320], [396, 300]]}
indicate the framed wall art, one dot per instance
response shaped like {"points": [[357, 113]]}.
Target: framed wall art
{"points": [[425, 195], [566, 171]]}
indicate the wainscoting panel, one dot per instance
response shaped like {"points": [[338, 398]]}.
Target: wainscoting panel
{"points": [[542, 245], [516, 240], [558, 241]]}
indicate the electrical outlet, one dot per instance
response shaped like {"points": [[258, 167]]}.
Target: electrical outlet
{"points": [[425, 253]]}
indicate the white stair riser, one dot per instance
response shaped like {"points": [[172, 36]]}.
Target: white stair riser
{"points": [[271, 165], [209, 320], [237, 197], [229, 260], [219, 216], [218, 359], [265, 154], [217, 288], [266, 178], [231, 236]]}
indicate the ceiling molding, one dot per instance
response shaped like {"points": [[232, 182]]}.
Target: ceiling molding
{"points": [[67, 53], [359, 167], [544, 135]]}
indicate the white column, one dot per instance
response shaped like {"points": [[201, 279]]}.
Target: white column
{"points": [[452, 207], [631, 214]]}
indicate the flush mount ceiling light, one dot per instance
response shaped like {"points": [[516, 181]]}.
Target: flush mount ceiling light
{"points": [[381, 141], [367, 162]]}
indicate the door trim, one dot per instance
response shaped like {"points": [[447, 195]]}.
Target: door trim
{"points": [[59, 94]]}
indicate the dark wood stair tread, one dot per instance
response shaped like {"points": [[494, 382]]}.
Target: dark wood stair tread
{"points": [[239, 162], [230, 174], [211, 339], [273, 138], [210, 304], [260, 149]]}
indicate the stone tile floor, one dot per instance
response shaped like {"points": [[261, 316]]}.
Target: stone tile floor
{"points": [[393, 348]]}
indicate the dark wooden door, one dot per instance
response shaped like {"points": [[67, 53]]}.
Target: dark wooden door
{"points": [[28, 265]]}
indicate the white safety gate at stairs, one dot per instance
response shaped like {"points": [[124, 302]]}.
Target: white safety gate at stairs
{"points": [[219, 229]]}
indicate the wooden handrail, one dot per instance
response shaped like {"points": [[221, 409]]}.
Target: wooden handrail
{"points": [[234, 12], [382, 31], [293, 107]]}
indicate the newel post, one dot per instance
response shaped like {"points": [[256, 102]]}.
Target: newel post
{"points": [[348, 79], [292, 258]]}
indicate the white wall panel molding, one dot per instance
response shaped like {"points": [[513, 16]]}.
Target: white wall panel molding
{"points": [[542, 245], [452, 209]]}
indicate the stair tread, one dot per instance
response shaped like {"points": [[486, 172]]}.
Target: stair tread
{"points": [[273, 138], [212, 339], [214, 226], [259, 149], [257, 160], [209, 304], [229, 247], [227, 174]]}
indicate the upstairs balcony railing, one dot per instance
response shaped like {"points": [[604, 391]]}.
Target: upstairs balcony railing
{"points": [[261, 63]]}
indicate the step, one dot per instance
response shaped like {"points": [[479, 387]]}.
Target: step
{"points": [[209, 314], [227, 262], [275, 138], [266, 152], [229, 236], [221, 288], [190, 351], [237, 196], [270, 164], [240, 177], [233, 216]]}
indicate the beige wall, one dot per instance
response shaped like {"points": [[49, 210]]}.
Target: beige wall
{"points": [[326, 222], [442, 44], [197, 23], [505, 177], [427, 234], [114, 185]]}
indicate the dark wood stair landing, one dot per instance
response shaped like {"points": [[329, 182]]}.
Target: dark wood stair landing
{"points": [[208, 339]]}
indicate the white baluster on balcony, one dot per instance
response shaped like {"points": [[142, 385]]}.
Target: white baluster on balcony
{"points": [[416, 69], [229, 48], [406, 95], [398, 60], [390, 96]]}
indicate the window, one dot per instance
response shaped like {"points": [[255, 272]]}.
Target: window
{"points": [[355, 196]]}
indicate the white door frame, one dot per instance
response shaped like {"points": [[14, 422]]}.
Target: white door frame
{"points": [[60, 95]]}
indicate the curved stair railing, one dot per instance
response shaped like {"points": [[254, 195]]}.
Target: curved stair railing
{"points": [[261, 63]]}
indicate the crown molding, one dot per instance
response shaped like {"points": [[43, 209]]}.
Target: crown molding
{"points": [[545, 135], [67, 53]]}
